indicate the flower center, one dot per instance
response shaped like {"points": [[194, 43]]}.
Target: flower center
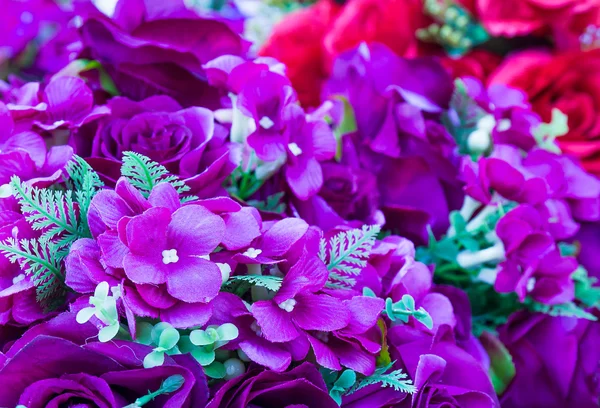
{"points": [[169, 256], [295, 149], [288, 305], [266, 122], [252, 253]]}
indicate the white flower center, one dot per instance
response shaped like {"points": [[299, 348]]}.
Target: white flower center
{"points": [[288, 305], [18, 279], [503, 125], [295, 149], [169, 256], [252, 253], [266, 122], [487, 123], [225, 271], [530, 284]]}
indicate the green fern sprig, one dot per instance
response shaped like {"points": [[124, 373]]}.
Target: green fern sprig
{"points": [[564, 309], [346, 254], [272, 283], [144, 174], [50, 211], [86, 183], [39, 261], [397, 379]]}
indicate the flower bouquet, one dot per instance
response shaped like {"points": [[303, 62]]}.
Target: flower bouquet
{"points": [[362, 203]]}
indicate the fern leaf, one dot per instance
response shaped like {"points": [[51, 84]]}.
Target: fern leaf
{"points": [[144, 174], [346, 254], [565, 309], [39, 261], [86, 183], [50, 211], [396, 379], [272, 283]]}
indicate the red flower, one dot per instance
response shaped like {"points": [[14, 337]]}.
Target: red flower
{"points": [[569, 82], [308, 41], [478, 63], [519, 17]]}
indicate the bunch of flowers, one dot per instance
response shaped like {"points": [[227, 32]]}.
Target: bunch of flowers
{"points": [[327, 216]]}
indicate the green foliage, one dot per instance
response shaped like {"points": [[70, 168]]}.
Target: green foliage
{"points": [[346, 254], [144, 174], [169, 385], [565, 309], [586, 289], [404, 309], [240, 284], [274, 203], [502, 368], [86, 183], [396, 379], [547, 132], [40, 261], [338, 386], [346, 126]]}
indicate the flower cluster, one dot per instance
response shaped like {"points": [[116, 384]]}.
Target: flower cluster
{"points": [[357, 209]]}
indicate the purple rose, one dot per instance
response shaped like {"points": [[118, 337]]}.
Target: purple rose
{"points": [[55, 364], [185, 141], [557, 361], [301, 387], [152, 47], [445, 375]]}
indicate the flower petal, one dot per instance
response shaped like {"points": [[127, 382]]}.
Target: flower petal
{"points": [[194, 280], [194, 230], [319, 312], [275, 323]]}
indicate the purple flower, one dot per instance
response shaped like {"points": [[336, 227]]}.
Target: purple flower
{"points": [[55, 364], [143, 48], [357, 344], [228, 308], [398, 137], [24, 154], [65, 102], [533, 263], [185, 141], [555, 356], [18, 305], [445, 375], [301, 387], [297, 307]]}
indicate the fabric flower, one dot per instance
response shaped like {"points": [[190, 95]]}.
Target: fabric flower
{"points": [[24, 154], [73, 370], [512, 19], [534, 265], [556, 357], [477, 63], [302, 386], [537, 73], [297, 306], [444, 374], [185, 141], [142, 48]]}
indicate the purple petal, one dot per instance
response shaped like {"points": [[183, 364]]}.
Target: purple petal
{"points": [[241, 228], [193, 280], [194, 230], [319, 312], [324, 355], [275, 323], [68, 99], [113, 250], [145, 269], [185, 315], [147, 233], [305, 178], [110, 208], [309, 274], [164, 195], [266, 354], [282, 235]]}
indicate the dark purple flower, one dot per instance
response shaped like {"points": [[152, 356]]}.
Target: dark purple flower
{"points": [[445, 375], [152, 48], [533, 265], [557, 361], [55, 364], [185, 141], [297, 306], [301, 387]]}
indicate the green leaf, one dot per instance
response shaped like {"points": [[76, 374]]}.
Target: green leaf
{"points": [[565, 309], [144, 333], [227, 332], [346, 126], [502, 368], [215, 370], [154, 359], [203, 355], [396, 379], [168, 338], [168, 386], [405, 308], [586, 290], [144, 174], [272, 283], [346, 380], [204, 337], [346, 254]]}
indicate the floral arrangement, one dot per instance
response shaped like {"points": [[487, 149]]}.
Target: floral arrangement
{"points": [[362, 203]]}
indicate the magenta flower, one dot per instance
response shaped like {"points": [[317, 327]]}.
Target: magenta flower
{"points": [[297, 306]]}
